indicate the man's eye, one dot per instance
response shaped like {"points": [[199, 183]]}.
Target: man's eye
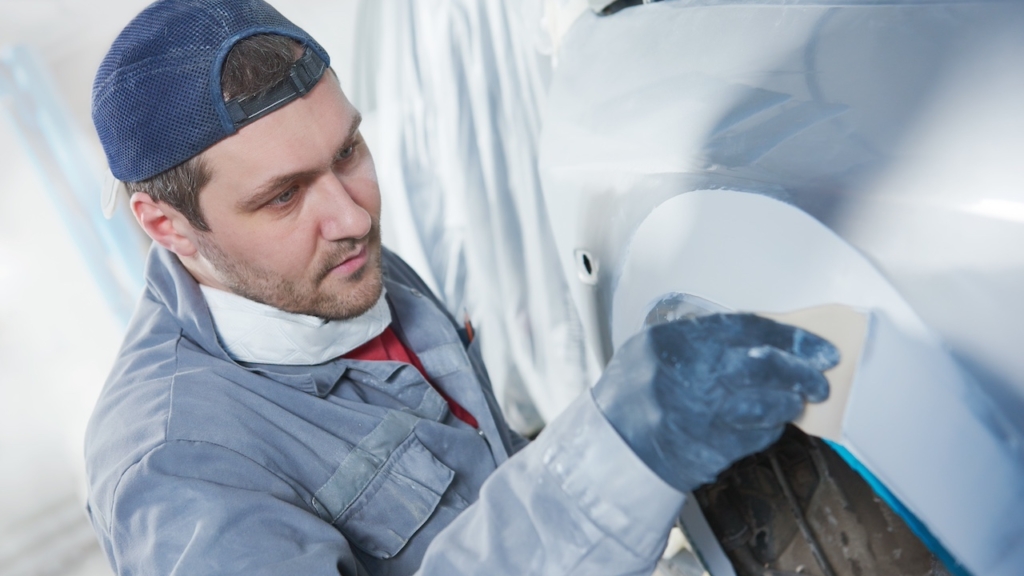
{"points": [[285, 197], [345, 153]]}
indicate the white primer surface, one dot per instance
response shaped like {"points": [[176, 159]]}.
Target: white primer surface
{"points": [[914, 418]]}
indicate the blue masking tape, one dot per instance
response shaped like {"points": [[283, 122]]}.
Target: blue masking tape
{"points": [[916, 526]]}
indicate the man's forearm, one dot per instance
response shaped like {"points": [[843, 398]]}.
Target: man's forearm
{"points": [[575, 501]]}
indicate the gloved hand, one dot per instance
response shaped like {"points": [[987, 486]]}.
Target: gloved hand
{"points": [[692, 396]]}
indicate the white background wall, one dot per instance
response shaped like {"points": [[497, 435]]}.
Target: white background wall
{"points": [[57, 335]]}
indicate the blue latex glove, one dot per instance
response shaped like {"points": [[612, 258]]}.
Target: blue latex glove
{"points": [[692, 396]]}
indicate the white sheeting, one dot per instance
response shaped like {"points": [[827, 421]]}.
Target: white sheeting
{"points": [[453, 91]]}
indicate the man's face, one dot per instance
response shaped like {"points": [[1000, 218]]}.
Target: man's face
{"points": [[294, 210]]}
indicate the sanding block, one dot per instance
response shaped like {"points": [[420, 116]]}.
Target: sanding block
{"points": [[847, 329]]}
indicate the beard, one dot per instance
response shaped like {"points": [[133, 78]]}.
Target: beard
{"points": [[315, 295]]}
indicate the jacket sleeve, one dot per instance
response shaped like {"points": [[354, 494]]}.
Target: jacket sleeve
{"points": [[576, 501]]}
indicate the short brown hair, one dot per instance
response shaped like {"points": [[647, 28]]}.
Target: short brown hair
{"points": [[253, 66]]}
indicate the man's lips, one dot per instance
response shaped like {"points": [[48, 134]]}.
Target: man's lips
{"points": [[351, 264]]}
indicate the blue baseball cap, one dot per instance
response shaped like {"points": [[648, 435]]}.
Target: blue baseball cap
{"points": [[157, 99]]}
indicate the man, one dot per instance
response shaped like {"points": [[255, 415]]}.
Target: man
{"points": [[291, 399]]}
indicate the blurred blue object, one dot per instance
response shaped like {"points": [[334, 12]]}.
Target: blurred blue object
{"points": [[112, 249]]}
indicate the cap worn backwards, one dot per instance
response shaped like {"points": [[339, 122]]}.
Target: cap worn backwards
{"points": [[157, 99]]}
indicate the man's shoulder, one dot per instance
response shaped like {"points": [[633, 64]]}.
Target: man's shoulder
{"points": [[160, 379], [137, 392], [399, 271]]}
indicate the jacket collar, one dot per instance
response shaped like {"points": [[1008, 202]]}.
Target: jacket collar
{"points": [[173, 286]]}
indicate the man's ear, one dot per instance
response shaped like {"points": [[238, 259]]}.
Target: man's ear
{"points": [[165, 225]]}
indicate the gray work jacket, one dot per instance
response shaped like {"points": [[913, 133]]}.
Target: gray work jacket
{"points": [[198, 464]]}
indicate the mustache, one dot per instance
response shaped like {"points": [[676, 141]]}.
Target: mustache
{"points": [[346, 248]]}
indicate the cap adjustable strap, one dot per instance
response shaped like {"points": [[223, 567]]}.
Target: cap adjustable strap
{"points": [[305, 73]]}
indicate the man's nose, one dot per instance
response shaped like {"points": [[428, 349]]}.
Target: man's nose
{"points": [[339, 214]]}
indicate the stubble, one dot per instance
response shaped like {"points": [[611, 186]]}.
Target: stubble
{"points": [[317, 295]]}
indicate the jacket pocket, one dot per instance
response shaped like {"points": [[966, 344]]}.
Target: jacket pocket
{"points": [[385, 489]]}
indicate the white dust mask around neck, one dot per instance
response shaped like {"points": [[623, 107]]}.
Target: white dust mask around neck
{"points": [[258, 333]]}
